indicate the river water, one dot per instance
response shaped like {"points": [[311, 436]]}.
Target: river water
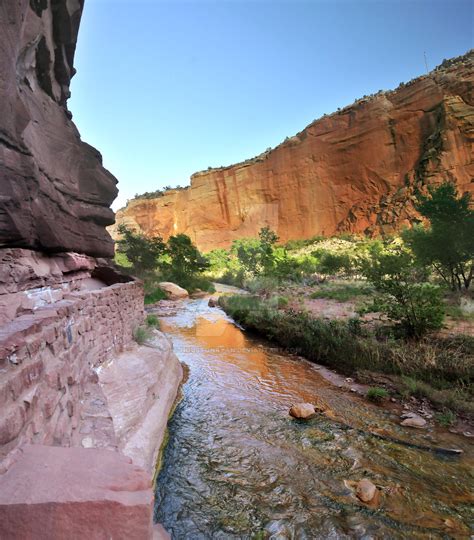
{"points": [[238, 467]]}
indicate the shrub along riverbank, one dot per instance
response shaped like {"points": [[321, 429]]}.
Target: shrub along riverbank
{"points": [[441, 369], [153, 260], [413, 280]]}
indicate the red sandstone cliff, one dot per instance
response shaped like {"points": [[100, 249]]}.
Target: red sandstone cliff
{"points": [[352, 171], [54, 193], [83, 410]]}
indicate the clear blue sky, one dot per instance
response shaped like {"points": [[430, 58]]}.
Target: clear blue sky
{"points": [[168, 88]]}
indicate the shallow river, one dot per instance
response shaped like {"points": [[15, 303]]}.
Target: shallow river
{"points": [[237, 466]]}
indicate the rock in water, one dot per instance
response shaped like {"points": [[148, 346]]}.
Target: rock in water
{"points": [[414, 420], [173, 291], [365, 490], [303, 411], [212, 302]]}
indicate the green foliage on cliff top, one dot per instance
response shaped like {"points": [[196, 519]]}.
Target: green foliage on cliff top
{"points": [[157, 193]]}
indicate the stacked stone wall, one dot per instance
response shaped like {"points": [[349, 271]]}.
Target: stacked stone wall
{"points": [[49, 356]]}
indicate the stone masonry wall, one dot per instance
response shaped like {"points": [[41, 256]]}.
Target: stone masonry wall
{"points": [[47, 359]]}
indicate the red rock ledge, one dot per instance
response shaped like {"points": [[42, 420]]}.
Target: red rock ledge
{"points": [[83, 408]]}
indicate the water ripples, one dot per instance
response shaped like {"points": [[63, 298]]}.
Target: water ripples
{"points": [[238, 467]]}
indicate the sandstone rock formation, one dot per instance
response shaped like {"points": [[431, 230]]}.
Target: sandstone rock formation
{"points": [[72, 380], [302, 411], [54, 193], [83, 409], [173, 291], [46, 494], [352, 171], [140, 389]]}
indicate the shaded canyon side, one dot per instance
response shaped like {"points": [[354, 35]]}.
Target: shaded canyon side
{"points": [[356, 170], [54, 193], [83, 408]]}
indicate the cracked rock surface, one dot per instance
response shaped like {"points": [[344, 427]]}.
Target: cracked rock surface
{"points": [[54, 193]]}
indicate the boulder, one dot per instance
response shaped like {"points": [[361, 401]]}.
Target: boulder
{"points": [[303, 411], [213, 302], [365, 490], [413, 420], [140, 387], [173, 291]]}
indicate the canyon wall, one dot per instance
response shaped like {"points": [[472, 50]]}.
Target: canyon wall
{"points": [[352, 171], [54, 193], [83, 408], [66, 328]]}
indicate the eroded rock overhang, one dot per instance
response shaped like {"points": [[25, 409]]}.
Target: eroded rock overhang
{"points": [[54, 192]]}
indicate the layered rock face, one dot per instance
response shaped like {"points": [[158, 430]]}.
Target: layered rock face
{"points": [[54, 193], [83, 409], [61, 331], [353, 171]]}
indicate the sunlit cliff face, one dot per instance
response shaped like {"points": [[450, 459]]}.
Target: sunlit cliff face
{"points": [[353, 171]]}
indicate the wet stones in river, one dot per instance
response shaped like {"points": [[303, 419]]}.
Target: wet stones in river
{"points": [[303, 411], [212, 302], [366, 490], [413, 420]]}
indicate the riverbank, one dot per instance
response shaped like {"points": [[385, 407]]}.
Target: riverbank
{"points": [[440, 369]]}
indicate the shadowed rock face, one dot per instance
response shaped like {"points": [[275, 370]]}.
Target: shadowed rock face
{"points": [[54, 193], [353, 171]]}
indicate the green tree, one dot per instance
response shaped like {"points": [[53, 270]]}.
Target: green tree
{"points": [[185, 260], [332, 262], [447, 243], [143, 252], [256, 255], [268, 239], [404, 295], [219, 260], [248, 253]]}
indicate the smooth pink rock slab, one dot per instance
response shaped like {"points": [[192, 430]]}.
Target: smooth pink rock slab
{"points": [[140, 387], [59, 493]]}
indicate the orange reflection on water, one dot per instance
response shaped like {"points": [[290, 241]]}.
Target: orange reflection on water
{"points": [[271, 368], [255, 384]]}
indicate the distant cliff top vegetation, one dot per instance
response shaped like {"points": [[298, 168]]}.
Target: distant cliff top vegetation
{"points": [[446, 65], [156, 194], [450, 62]]}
